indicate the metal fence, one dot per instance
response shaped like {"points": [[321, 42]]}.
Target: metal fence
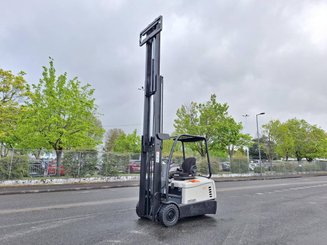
{"points": [[270, 167], [20, 164]]}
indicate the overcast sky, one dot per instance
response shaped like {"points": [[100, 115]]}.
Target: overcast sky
{"points": [[257, 56]]}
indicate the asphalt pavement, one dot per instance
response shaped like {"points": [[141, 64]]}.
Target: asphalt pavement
{"points": [[283, 211]]}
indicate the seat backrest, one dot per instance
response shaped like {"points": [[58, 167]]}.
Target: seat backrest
{"points": [[189, 166]]}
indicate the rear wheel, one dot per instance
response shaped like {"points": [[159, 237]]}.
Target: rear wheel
{"points": [[168, 214]]}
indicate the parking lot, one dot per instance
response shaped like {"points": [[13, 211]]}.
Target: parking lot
{"points": [[288, 211]]}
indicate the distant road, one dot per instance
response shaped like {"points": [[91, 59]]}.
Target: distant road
{"points": [[283, 211]]}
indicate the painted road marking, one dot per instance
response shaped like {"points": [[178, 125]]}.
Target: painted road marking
{"points": [[292, 189], [41, 228], [268, 186], [69, 205]]}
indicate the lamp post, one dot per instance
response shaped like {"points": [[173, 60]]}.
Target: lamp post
{"points": [[247, 148], [256, 117]]}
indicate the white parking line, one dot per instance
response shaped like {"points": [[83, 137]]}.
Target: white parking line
{"points": [[40, 228], [239, 188], [292, 189], [68, 205]]}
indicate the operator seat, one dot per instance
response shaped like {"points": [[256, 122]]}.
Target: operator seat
{"points": [[188, 170]]}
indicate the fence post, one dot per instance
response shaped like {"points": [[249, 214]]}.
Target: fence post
{"points": [[79, 164], [11, 160]]}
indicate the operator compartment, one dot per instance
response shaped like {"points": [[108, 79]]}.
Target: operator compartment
{"points": [[194, 190]]}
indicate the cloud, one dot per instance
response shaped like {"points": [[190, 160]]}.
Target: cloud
{"points": [[255, 55]]}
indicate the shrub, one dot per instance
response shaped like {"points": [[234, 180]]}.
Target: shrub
{"points": [[214, 166], [113, 164], [299, 168], [18, 164], [323, 165], [311, 167], [258, 170], [80, 163], [285, 167], [202, 165], [239, 167]]}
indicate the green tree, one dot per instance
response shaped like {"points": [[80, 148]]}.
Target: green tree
{"points": [[310, 141], [254, 149], [298, 131], [127, 143], [211, 120], [269, 146], [13, 91], [61, 114], [111, 138], [244, 140], [316, 143], [118, 146], [297, 138], [281, 135]]}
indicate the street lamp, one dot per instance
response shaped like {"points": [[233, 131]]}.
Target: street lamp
{"points": [[247, 148], [256, 117]]}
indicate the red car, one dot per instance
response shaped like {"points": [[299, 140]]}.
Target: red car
{"points": [[52, 168], [134, 166]]}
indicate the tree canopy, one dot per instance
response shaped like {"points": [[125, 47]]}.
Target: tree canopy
{"points": [[297, 138], [13, 91], [111, 138], [121, 142], [61, 114], [211, 120]]}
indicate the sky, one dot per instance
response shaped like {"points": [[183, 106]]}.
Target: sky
{"points": [[256, 56]]}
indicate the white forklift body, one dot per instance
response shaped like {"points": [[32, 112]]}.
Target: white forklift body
{"points": [[195, 190]]}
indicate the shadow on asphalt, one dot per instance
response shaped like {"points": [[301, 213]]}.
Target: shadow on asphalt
{"points": [[186, 228], [182, 223]]}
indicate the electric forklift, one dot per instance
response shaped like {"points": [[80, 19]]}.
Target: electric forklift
{"points": [[164, 195]]}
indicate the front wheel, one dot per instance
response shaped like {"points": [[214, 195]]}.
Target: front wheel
{"points": [[168, 214], [138, 210]]}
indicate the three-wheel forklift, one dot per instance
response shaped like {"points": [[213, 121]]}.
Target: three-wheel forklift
{"points": [[166, 195]]}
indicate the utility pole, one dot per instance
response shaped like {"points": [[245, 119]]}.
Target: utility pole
{"points": [[258, 136], [247, 148]]}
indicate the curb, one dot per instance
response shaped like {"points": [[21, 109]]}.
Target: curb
{"points": [[11, 190]]}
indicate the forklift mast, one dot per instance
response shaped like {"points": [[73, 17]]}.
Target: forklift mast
{"points": [[150, 173]]}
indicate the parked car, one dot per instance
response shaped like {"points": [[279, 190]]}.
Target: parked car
{"points": [[225, 166], [134, 166], [52, 168], [252, 166]]}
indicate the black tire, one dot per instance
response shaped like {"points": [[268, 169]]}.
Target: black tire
{"points": [[138, 210], [168, 214]]}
